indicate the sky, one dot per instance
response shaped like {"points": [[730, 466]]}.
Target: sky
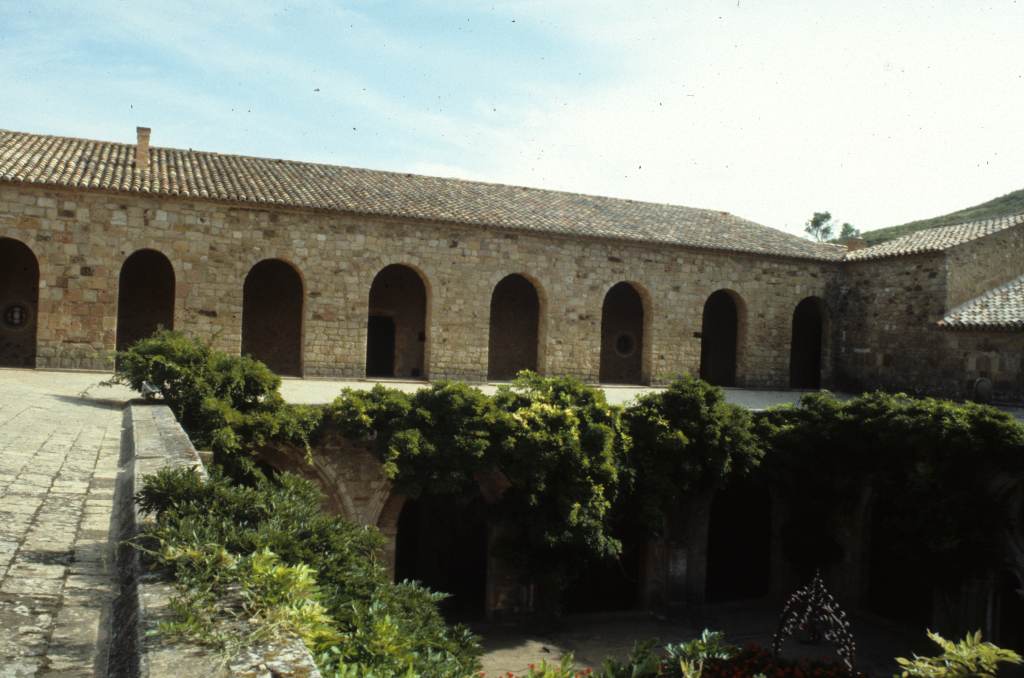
{"points": [[879, 112]]}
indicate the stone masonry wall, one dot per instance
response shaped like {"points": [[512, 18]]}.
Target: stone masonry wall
{"points": [[885, 329], [82, 238], [994, 355], [980, 265]]}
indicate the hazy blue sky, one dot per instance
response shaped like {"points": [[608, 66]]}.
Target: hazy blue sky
{"points": [[880, 112]]}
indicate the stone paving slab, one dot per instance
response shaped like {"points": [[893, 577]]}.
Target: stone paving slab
{"points": [[59, 455]]}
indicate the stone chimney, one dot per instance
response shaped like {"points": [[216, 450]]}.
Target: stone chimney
{"points": [[854, 244], [142, 148]]}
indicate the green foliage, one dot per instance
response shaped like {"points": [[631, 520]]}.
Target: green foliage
{"points": [[441, 439], [686, 439], [928, 463], [822, 227], [561, 446], [267, 552], [643, 662], [971, 657], [846, 232], [228, 403], [689, 657]]}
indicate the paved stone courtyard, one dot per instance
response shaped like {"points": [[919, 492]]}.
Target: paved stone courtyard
{"points": [[58, 462]]}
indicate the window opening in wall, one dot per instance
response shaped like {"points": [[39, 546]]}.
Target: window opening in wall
{"points": [[397, 346], [622, 336], [806, 341], [625, 344], [19, 298], [719, 340], [145, 297], [513, 343], [272, 300], [15, 316]]}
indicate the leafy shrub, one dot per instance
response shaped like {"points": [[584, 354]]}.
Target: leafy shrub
{"points": [[561, 447], [686, 660], [931, 463], [267, 552], [686, 438], [966, 659]]}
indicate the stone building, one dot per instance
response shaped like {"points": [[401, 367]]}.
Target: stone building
{"points": [[324, 271]]}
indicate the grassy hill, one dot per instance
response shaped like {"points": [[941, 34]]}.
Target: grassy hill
{"points": [[1011, 203]]}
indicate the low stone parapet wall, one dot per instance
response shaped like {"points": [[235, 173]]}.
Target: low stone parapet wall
{"points": [[157, 441]]}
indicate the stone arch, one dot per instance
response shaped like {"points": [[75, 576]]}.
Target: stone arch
{"points": [[272, 310], [396, 331], [145, 297], [625, 335], [807, 341], [723, 329], [515, 338], [442, 540], [19, 304]]}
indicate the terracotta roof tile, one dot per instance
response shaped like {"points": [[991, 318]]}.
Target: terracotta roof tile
{"points": [[85, 164], [1001, 308], [936, 239]]}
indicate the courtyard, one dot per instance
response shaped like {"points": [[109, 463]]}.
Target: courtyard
{"points": [[63, 436]]}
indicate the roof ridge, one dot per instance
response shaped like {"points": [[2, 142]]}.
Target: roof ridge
{"points": [[395, 173]]}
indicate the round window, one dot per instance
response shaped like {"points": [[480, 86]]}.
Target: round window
{"points": [[16, 315], [625, 345]]}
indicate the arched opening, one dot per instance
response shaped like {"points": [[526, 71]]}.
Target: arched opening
{"points": [[617, 582], [898, 587], [272, 302], [719, 339], [515, 324], [396, 331], [19, 304], [442, 542], [145, 297], [739, 543], [806, 344], [622, 336]]}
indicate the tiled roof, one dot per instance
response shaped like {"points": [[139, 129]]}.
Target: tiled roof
{"points": [[936, 239], [1000, 308], [85, 164]]}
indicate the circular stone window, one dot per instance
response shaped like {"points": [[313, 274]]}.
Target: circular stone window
{"points": [[625, 344], [16, 315]]}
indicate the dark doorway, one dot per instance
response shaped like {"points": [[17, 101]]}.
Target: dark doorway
{"points": [[442, 542], [739, 543], [1009, 612], [272, 316], [899, 588], [380, 349], [622, 336], [145, 297], [609, 585], [399, 294], [19, 304], [719, 338], [515, 319], [805, 345]]}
